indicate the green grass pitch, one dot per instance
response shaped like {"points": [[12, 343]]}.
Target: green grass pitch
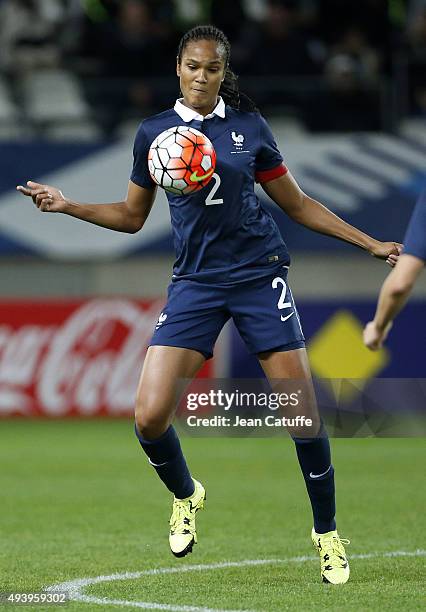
{"points": [[79, 500]]}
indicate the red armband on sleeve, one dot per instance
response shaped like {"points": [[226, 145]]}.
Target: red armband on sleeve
{"points": [[263, 176]]}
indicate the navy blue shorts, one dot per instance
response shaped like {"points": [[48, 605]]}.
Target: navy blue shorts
{"points": [[262, 309]]}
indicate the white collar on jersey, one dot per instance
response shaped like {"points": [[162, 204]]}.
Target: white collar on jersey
{"points": [[187, 114]]}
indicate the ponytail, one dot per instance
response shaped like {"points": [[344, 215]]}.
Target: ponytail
{"points": [[231, 94]]}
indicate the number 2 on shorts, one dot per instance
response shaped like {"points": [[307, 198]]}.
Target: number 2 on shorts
{"points": [[282, 304]]}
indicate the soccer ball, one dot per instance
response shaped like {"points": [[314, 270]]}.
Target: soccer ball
{"points": [[181, 160]]}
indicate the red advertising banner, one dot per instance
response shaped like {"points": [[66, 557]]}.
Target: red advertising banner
{"points": [[62, 358]]}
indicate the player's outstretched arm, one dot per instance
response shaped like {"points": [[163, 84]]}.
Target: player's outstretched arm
{"points": [[127, 216], [393, 295], [314, 215]]}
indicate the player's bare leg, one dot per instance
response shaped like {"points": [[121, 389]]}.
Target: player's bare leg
{"points": [[313, 452], [163, 368], [156, 403], [290, 369]]}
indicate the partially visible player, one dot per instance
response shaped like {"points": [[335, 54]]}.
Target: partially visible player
{"points": [[231, 262], [398, 285]]}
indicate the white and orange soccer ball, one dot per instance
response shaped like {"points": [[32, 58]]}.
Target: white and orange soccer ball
{"points": [[181, 160]]}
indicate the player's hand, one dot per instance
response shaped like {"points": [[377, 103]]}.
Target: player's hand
{"points": [[373, 337], [45, 197], [390, 251]]}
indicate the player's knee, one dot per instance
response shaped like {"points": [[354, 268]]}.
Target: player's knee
{"points": [[150, 422], [308, 432], [150, 427]]}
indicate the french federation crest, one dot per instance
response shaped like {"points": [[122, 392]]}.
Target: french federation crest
{"points": [[238, 140]]}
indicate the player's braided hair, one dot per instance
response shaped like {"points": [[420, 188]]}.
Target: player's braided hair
{"points": [[229, 89]]}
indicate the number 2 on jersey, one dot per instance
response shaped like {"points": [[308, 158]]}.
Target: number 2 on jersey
{"points": [[210, 201]]}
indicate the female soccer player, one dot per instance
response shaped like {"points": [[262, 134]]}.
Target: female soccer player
{"points": [[231, 262]]}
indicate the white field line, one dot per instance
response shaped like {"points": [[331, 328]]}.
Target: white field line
{"points": [[74, 588]]}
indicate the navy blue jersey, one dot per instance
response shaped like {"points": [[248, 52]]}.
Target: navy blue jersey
{"points": [[415, 238], [221, 233]]}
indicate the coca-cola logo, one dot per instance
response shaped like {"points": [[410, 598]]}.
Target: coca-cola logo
{"points": [[88, 364]]}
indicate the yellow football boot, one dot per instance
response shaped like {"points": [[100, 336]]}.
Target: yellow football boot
{"points": [[334, 564], [183, 534]]}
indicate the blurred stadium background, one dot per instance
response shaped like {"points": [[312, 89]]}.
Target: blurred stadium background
{"points": [[343, 85]]}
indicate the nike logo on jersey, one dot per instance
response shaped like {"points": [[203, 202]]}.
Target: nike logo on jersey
{"points": [[196, 179], [311, 475], [287, 317]]}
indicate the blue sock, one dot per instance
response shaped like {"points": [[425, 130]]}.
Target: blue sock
{"points": [[315, 462], [165, 455]]}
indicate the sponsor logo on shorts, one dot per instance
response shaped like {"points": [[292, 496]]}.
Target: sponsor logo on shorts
{"points": [[161, 320]]}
